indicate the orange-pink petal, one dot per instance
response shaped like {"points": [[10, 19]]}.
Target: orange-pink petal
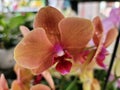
{"points": [[23, 74], [34, 50], [48, 78], [24, 30], [3, 83], [40, 87], [44, 66], [111, 36], [98, 30], [16, 85], [98, 40], [75, 33], [48, 18]]}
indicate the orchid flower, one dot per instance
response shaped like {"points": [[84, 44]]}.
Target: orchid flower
{"points": [[19, 84], [54, 40], [99, 52], [101, 45], [113, 20], [24, 78]]}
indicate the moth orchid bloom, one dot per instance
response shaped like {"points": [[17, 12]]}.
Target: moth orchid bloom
{"points": [[113, 20], [54, 39], [101, 45], [3, 83]]}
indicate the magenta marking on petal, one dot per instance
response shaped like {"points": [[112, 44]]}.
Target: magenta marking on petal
{"points": [[58, 50], [64, 67], [104, 50], [100, 63], [100, 57]]}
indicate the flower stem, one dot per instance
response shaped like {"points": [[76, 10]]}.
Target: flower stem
{"points": [[72, 84]]}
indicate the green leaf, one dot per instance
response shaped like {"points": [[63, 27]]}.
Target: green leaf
{"points": [[16, 21]]}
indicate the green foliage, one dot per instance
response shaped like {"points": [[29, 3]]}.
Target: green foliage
{"points": [[9, 27]]}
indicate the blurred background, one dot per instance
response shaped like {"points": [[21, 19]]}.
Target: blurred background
{"points": [[14, 13]]}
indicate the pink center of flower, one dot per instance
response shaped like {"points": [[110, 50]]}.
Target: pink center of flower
{"points": [[62, 56]]}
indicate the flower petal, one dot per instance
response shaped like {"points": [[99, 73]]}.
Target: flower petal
{"points": [[40, 87], [19, 86], [64, 67], [98, 30], [75, 33], [44, 66], [115, 16], [3, 83], [111, 36], [48, 18], [24, 30], [49, 79], [34, 50], [101, 63], [24, 74]]}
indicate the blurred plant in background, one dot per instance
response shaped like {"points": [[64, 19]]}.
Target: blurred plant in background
{"points": [[9, 27]]}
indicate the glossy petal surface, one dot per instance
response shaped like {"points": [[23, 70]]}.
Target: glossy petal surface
{"points": [[75, 33], [34, 50], [48, 18]]}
